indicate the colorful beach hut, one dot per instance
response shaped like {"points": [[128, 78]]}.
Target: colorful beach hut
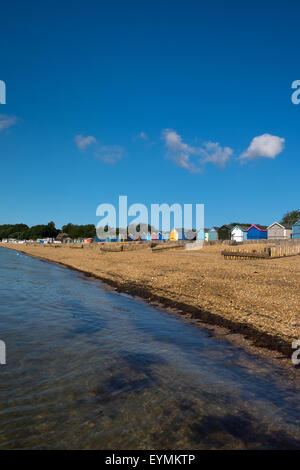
{"points": [[239, 233], [174, 235], [160, 237], [154, 236], [213, 234], [202, 234], [296, 230], [257, 232], [166, 236]]}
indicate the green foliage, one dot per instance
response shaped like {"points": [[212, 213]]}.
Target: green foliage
{"points": [[23, 232], [240, 224], [13, 231], [291, 218], [80, 231]]}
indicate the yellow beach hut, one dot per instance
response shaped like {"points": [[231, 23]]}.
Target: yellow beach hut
{"points": [[173, 235]]}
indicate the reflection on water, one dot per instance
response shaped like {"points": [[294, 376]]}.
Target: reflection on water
{"points": [[93, 369]]}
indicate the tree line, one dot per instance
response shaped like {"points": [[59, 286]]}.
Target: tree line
{"points": [[24, 232]]}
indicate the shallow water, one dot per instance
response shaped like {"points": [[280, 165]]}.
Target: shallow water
{"points": [[92, 369]]}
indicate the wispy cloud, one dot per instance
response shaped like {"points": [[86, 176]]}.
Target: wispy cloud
{"points": [[214, 153], [263, 146], [7, 121], [109, 153], [106, 153], [194, 158], [83, 142]]}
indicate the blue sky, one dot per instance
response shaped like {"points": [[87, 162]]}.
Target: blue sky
{"points": [[155, 85]]}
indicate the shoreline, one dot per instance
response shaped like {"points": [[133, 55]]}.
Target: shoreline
{"points": [[207, 319]]}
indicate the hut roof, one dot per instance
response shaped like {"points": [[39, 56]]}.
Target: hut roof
{"points": [[244, 227], [286, 226], [261, 228], [226, 227], [62, 235]]}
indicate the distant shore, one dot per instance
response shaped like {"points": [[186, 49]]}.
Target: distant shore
{"points": [[256, 298]]}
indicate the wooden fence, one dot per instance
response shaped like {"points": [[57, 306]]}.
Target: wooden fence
{"points": [[267, 251]]}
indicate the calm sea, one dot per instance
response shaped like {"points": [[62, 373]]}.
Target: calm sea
{"points": [[92, 369]]}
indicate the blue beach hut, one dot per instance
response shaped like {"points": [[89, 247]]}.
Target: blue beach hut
{"points": [[201, 235], [256, 232], [296, 230], [213, 234]]}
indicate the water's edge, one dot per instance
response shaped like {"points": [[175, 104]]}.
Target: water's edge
{"points": [[257, 339]]}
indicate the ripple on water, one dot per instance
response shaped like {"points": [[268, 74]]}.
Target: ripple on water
{"points": [[89, 368]]}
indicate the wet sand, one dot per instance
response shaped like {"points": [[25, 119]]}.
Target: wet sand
{"points": [[257, 298]]}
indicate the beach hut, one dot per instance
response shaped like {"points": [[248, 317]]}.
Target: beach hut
{"points": [[154, 236], [213, 234], [202, 234], [144, 237], [224, 232], [149, 237], [257, 232], [296, 230], [173, 235], [239, 233], [160, 237], [278, 231], [165, 236]]}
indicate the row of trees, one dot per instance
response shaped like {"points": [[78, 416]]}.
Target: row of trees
{"points": [[23, 232], [291, 218], [79, 231]]}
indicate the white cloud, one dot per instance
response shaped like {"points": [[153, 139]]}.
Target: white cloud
{"points": [[7, 121], [84, 142], [193, 158], [214, 153], [106, 153], [109, 153], [263, 146]]}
